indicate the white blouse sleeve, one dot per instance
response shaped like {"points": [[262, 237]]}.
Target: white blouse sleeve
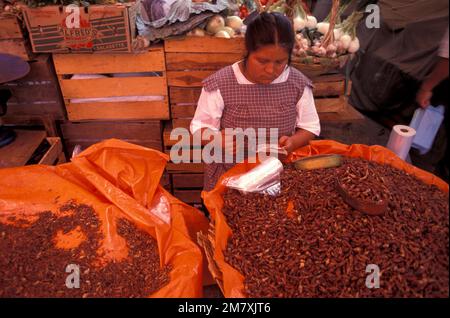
{"points": [[307, 117], [209, 111]]}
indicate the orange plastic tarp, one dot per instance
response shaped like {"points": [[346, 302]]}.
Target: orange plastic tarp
{"points": [[233, 281], [117, 179]]}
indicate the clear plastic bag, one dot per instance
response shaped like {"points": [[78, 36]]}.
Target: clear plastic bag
{"points": [[265, 178]]}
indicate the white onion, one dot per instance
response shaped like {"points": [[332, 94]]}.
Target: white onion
{"points": [[299, 37], [354, 46], [337, 33], [323, 27], [345, 41], [229, 30], [196, 32], [299, 23], [234, 22], [222, 34], [311, 22], [216, 23]]}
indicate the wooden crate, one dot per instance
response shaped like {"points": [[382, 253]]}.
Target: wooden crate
{"points": [[165, 181], [187, 187], [13, 37], [189, 60], [140, 81], [186, 178], [55, 154], [145, 133], [36, 98], [24, 147]]}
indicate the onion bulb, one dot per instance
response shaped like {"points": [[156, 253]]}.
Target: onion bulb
{"points": [[216, 23], [323, 27], [196, 32], [345, 41], [299, 23], [222, 34], [229, 30], [337, 33], [311, 22], [234, 22], [354, 45]]}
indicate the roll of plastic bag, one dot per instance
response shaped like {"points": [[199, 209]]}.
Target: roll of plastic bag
{"points": [[400, 140], [265, 176]]}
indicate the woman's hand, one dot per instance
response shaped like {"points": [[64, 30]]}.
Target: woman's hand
{"points": [[299, 139], [423, 97], [286, 143]]}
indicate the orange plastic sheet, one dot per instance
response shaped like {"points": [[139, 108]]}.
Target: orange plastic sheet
{"points": [[117, 179], [233, 281]]}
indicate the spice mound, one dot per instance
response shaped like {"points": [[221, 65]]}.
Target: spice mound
{"points": [[308, 242], [33, 265]]}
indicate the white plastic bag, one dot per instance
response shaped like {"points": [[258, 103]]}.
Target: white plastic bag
{"points": [[265, 178]]}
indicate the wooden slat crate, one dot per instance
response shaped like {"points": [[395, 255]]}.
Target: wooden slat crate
{"points": [[165, 181], [145, 75], [189, 60], [55, 154], [186, 178], [13, 37], [36, 98], [26, 147], [145, 133]]}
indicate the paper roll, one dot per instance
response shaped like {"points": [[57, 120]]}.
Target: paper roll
{"points": [[400, 140]]}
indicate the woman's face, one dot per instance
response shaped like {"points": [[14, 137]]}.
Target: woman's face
{"points": [[266, 64]]}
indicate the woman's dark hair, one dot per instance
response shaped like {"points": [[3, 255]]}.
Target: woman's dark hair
{"points": [[269, 29]]}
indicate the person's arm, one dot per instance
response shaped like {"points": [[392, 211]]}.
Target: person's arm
{"points": [[439, 73], [299, 139], [208, 113], [207, 117], [308, 124]]}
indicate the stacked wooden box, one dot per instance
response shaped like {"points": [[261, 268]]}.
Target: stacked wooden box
{"points": [[137, 85], [13, 37], [331, 89], [186, 178], [36, 98], [189, 61], [32, 146]]}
